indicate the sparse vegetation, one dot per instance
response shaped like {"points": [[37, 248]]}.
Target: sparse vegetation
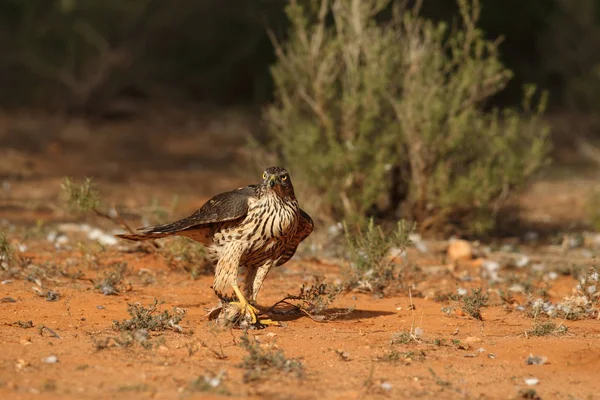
{"points": [[85, 198], [81, 198], [406, 357], [260, 361], [528, 394], [210, 383], [23, 324], [404, 337], [470, 304], [109, 284], [314, 300], [151, 319], [6, 250], [187, 254], [11, 261], [439, 380], [372, 266], [136, 387], [380, 113], [547, 328], [385, 115]]}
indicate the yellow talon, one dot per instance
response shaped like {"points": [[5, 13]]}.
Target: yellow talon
{"points": [[244, 306], [247, 308]]}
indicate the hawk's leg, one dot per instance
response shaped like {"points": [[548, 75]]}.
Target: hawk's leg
{"points": [[254, 283], [244, 306], [248, 309], [259, 278], [226, 270], [226, 275]]}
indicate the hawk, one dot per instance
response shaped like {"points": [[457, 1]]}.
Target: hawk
{"points": [[247, 231]]}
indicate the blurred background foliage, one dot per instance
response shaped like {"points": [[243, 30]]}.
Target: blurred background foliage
{"points": [[77, 55], [108, 58]]}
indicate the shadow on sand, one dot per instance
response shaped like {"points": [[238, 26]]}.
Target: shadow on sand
{"points": [[291, 313]]}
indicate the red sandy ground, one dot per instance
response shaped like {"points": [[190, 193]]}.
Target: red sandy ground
{"points": [[489, 364]]}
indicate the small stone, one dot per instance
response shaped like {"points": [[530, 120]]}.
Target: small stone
{"points": [[386, 386], [50, 360], [535, 360], [7, 300], [532, 381], [472, 339], [100, 307], [460, 250], [163, 349], [522, 261], [20, 364]]}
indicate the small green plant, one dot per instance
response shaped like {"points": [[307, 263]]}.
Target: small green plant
{"points": [[468, 304], [6, 250], [471, 304], [150, 319], [12, 262], [547, 328], [187, 254], [109, 285], [404, 337], [314, 300], [259, 361], [372, 268], [407, 357], [81, 198]]}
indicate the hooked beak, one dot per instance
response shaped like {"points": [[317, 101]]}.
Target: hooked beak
{"points": [[272, 181]]}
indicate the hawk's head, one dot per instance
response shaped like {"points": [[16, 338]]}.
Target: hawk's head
{"points": [[278, 180]]}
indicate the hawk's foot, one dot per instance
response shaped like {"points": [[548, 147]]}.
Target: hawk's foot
{"points": [[241, 314]]}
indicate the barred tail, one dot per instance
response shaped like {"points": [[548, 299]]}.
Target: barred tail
{"points": [[151, 232]]}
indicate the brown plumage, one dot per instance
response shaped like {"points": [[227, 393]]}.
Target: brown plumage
{"points": [[249, 229]]}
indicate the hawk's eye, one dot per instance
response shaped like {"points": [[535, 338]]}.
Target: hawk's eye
{"points": [[264, 175], [284, 178]]}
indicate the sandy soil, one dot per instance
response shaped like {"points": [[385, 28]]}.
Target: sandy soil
{"points": [[348, 357]]}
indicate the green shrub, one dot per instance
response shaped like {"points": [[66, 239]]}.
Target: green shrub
{"points": [[372, 267], [389, 117]]}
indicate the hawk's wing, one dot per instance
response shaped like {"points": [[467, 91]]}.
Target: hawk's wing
{"points": [[305, 228], [223, 207]]}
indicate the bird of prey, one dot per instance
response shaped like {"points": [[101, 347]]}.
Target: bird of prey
{"points": [[247, 231]]}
